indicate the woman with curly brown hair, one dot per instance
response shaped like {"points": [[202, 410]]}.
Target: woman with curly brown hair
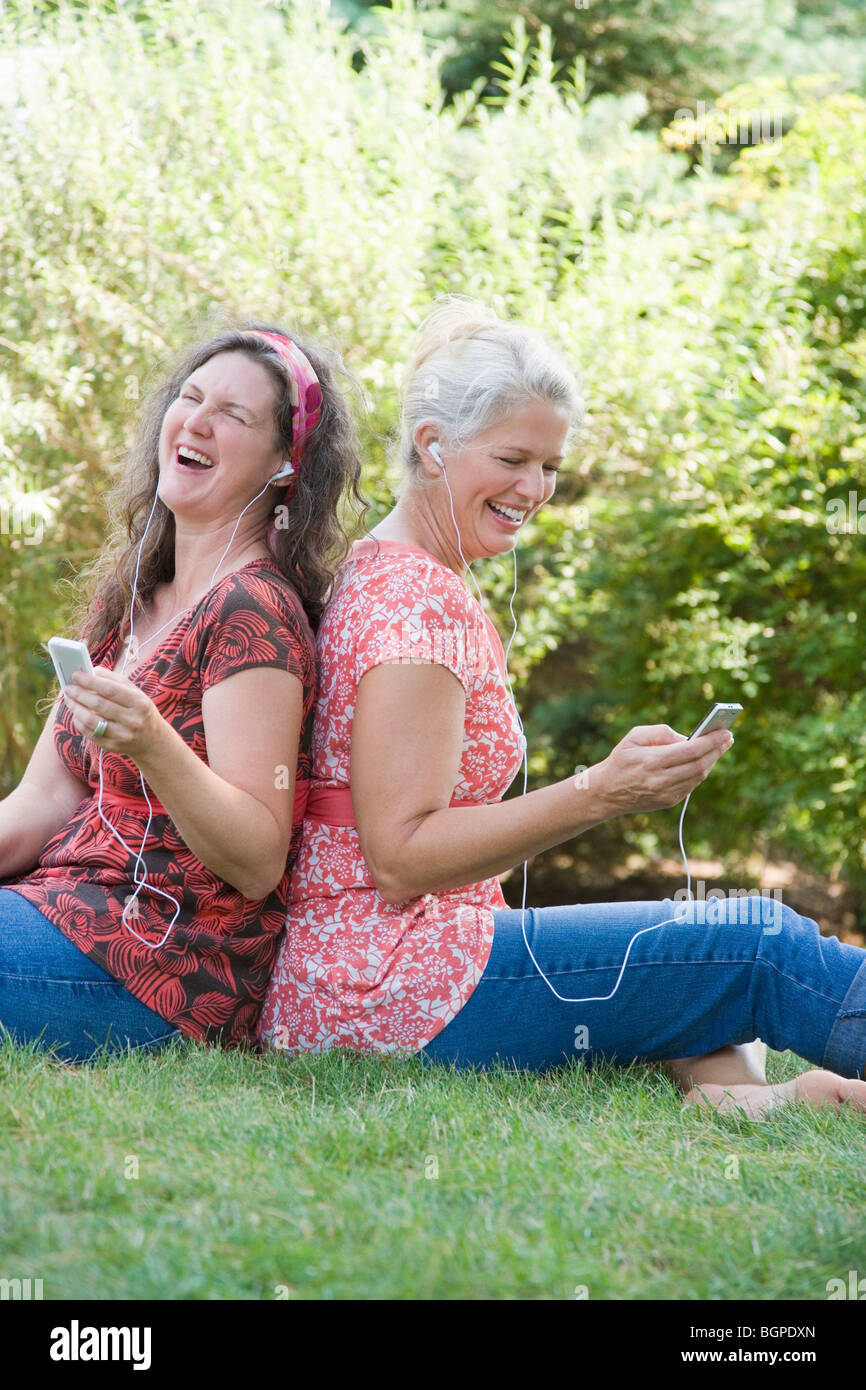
{"points": [[146, 852]]}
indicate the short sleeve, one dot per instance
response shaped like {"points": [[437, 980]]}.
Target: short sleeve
{"points": [[412, 611], [255, 620]]}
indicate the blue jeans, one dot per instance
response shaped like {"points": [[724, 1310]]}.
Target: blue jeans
{"points": [[52, 993], [728, 972]]}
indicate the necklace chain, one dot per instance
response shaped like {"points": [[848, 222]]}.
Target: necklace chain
{"points": [[134, 646]]}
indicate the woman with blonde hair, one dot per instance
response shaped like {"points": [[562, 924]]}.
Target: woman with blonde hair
{"points": [[147, 848], [398, 933]]}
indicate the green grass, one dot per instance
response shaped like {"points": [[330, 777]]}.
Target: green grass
{"points": [[310, 1174]]}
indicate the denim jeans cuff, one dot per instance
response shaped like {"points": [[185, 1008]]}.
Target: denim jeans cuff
{"points": [[845, 1052]]}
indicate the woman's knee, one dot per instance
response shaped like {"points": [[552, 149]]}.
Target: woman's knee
{"points": [[765, 915]]}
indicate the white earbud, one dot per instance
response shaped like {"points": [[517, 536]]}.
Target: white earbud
{"points": [[286, 471], [436, 452]]}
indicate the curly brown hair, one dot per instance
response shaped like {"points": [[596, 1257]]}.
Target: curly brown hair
{"points": [[308, 550]]}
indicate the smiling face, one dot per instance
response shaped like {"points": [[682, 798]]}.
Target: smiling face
{"points": [[216, 446], [500, 478]]}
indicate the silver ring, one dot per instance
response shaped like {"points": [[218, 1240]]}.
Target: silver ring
{"points": [[101, 729]]}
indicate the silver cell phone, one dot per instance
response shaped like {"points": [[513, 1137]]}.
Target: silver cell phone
{"points": [[68, 657], [719, 717]]}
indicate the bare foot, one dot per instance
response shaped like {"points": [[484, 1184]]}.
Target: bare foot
{"points": [[814, 1087]]}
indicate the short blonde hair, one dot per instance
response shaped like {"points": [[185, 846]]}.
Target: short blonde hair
{"points": [[468, 368]]}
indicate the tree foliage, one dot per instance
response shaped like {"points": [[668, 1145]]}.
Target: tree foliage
{"points": [[676, 52]]}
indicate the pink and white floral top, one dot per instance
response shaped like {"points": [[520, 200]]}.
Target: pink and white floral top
{"points": [[353, 970]]}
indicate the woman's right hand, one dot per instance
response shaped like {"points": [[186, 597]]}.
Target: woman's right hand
{"points": [[654, 767]]}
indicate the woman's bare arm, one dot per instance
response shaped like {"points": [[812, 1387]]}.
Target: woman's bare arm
{"points": [[407, 739], [235, 811], [40, 806]]}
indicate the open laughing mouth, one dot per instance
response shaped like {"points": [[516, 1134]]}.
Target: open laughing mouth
{"points": [[511, 517], [192, 460]]}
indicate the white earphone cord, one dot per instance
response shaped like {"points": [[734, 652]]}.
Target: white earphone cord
{"points": [[564, 999], [140, 867]]}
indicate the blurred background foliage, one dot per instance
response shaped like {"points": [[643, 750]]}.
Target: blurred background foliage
{"points": [[593, 171]]}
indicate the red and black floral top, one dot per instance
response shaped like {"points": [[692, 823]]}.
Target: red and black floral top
{"points": [[210, 976]]}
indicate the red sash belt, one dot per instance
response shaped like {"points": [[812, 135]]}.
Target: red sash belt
{"points": [[136, 802], [314, 802], [330, 805], [128, 802], [333, 805]]}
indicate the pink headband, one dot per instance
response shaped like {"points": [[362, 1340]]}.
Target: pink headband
{"points": [[304, 388]]}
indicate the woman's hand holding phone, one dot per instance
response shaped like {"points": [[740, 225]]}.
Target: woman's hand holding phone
{"points": [[654, 767], [135, 726]]}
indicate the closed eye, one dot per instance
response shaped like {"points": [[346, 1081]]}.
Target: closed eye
{"points": [[548, 467], [188, 396]]}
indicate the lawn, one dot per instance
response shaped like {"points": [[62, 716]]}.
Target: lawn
{"points": [[197, 1174]]}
